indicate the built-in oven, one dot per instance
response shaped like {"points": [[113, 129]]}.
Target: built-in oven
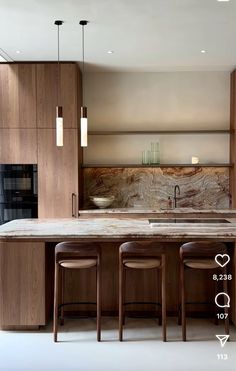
{"points": [[18, 192]]}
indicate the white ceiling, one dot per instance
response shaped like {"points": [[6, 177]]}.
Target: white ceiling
{"points": [[146, 35]]}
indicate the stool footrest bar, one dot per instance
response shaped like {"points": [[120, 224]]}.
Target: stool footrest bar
{"points": [[142, 302], [75, 303]]}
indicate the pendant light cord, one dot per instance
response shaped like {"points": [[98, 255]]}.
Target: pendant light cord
{"points": [[58, 23], [82, 65], [83, 23], [58, 63]]}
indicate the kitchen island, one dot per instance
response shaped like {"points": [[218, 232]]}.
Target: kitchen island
{"points": [[27, 263], [144, 212]]}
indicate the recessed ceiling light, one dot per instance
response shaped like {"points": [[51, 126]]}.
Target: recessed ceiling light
{"points": [[203, 51], [110, 52], [223, 1], [18, 51]]}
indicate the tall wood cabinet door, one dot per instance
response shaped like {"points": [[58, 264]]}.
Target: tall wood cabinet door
{"points": [[18, 95], [47, 79], [233, 137], [57, 174], [22, 284], [18, 146]]}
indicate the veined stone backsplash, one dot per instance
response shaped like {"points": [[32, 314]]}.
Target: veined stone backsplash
{"points": [[200, 187]]}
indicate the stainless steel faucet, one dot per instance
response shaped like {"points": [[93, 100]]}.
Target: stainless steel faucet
{"points": [[175, 193]]}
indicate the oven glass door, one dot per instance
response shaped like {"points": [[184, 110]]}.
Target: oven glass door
{"points": [[10, 211], [18, 179]]}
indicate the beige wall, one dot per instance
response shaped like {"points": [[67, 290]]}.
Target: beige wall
{"points": [[158, 101]]}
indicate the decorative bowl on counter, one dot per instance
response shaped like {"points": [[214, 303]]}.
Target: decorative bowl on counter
{"points": [[102, 201]]}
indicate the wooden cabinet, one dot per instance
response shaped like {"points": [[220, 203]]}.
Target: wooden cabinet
{"points": [[18, 95], [18, 146], [58, 170], [58, 167], [47, 77], [28, 100], [233, 137], [22, 284]]}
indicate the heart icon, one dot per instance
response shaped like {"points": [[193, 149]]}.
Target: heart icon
{"points": [[222, 259]]}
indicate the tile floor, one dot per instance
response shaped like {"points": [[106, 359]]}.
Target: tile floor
{"points": [[142, 349]]}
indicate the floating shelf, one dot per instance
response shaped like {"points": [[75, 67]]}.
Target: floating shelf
{"points": [[151, 166], [159, 132]]}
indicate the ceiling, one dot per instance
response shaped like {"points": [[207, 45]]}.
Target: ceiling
{"points": [[145, 35]]}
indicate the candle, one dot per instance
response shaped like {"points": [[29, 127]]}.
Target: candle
{"points": [[195, 160]]}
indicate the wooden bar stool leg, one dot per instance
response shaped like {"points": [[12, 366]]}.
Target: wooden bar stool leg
{"points": [[159, 297], [179, 301], [98, 276], [163, 297], [215, 293], [56, 294], [121, 293], [62, 295], [124, 288], [226, 309], [183, 310]]}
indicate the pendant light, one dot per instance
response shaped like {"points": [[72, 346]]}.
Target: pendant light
{"points": [[59, 114], [83, 119]]}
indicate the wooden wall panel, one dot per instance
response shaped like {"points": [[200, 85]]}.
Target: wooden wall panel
{"points": [[233, 137], [140, 285], [17, 95], [58, 173], [27, 95], [47, 94], [18, 146], [22, 284]]}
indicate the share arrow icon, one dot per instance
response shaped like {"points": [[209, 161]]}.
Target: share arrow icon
{"points": [[223, 339]]}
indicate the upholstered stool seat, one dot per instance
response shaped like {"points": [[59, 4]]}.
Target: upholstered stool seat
{"points": [[141, 255], [74, 255], [142, 263], [201, 263], [82, 263]]}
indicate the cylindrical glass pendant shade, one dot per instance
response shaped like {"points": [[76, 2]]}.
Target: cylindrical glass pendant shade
{"points": [[84, 127], [84, 131], [59, 128]]}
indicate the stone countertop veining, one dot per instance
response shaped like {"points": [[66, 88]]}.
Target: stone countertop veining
{"points": [[113, 229], [133, 210]]}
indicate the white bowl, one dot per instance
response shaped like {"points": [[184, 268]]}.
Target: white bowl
{"points": [[102, 202]]}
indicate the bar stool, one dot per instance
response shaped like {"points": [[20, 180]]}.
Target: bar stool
{"points": [[74, 255], [200, 255], [141, 255]]}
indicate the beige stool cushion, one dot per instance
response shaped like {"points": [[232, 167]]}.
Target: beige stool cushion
{"points": [[142, 263], [201, 263], [78, 263]]}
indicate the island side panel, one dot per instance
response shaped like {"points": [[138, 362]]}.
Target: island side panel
{"points": [[140, 286], [22, 284], [233, 287]]}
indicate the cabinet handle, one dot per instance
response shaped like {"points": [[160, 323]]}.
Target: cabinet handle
{"points": [[73, 205]]}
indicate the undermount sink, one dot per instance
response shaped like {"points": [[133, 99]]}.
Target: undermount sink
{"points": [[189, 220]]}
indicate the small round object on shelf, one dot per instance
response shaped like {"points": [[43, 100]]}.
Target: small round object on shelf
{"points": [[102, 201]]}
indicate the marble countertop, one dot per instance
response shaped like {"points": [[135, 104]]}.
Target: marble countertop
{"points": [[133, 210], [113, 229]]}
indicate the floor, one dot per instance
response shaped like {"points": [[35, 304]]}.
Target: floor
{"points": [[142, 349]]}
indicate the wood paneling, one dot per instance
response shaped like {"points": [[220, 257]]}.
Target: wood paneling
{"points": [[22, 284], [17, 96], [47, 77], [26, 281], [232, 284], [58, 170], [18, 146], [142, 285], [233, 137]]}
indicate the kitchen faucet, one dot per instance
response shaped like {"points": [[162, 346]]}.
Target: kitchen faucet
{"points": [[175, 193]]}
